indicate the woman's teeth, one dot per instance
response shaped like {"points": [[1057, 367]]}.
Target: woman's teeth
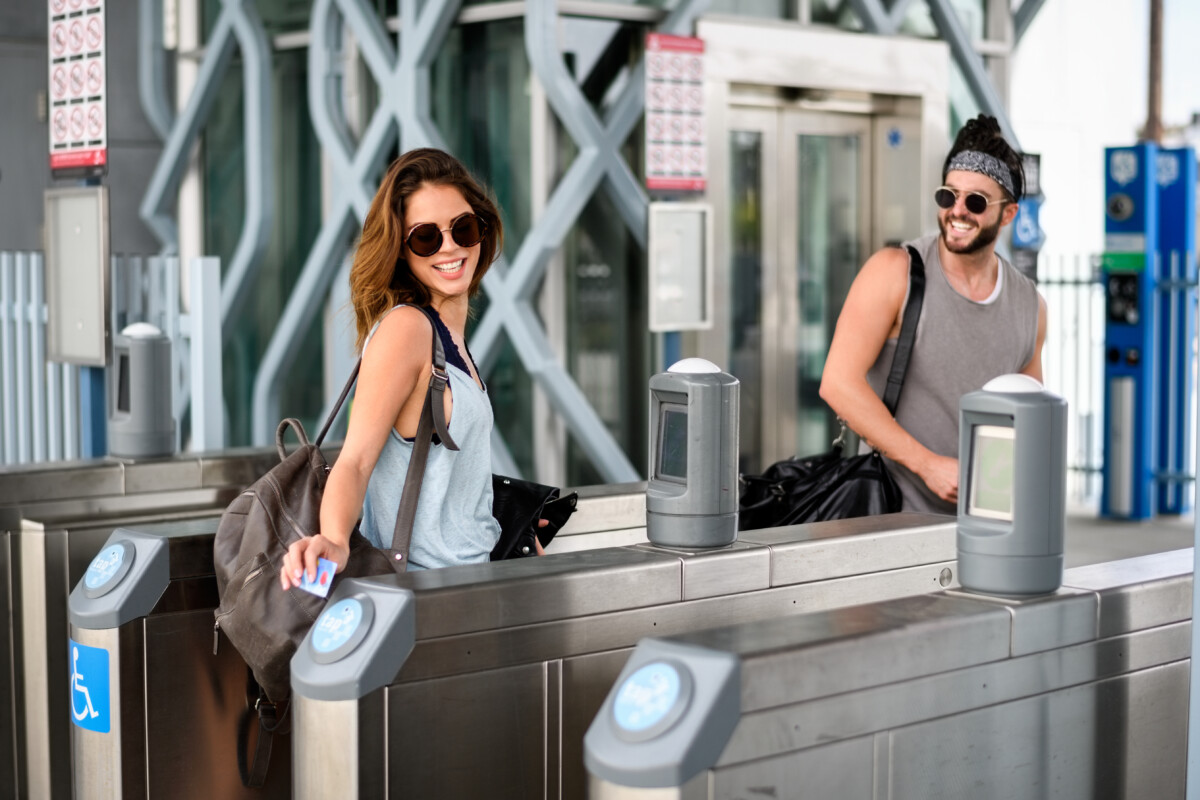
{"points": [[453, 266]]}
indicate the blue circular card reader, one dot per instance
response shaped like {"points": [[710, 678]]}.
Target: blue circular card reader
{"points": [[341, 628], [108, 568], [651, 700]]}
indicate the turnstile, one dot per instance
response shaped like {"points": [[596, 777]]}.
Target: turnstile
{"points": [[949, 695], [513, 659], [161, 668], [53, 518], [153, 711]]}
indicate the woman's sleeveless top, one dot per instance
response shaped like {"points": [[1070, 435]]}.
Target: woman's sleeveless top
{"points": [[454, 522], [961, 344]]}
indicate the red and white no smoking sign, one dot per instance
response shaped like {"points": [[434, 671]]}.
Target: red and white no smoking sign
{"points": [[78, 130], [675, 122]]}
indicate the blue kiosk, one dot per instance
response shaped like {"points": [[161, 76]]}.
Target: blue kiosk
{"points": [[1149, 275]]}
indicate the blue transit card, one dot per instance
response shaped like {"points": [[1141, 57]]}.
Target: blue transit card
{"points": [[320, 584]]}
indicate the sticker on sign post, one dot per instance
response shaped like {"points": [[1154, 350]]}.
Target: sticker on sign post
{"points": [[89, 687], [651, 700]]}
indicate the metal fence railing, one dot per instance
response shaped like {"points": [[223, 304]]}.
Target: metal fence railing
{"points": [[1073, 363], [40, 400]]}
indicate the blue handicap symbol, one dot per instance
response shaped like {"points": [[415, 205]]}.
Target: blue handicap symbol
{"points": [[89, 687]]}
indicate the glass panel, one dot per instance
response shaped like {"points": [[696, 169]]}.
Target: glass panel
{"points": [[829, 231], [297, 192], [481, 105], [607, 346], [746, 254]]}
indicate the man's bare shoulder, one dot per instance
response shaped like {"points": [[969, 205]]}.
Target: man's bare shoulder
{"points": [[885, 275]]}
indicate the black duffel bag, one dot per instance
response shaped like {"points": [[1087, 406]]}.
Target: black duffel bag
{"points": [[827, 486]]}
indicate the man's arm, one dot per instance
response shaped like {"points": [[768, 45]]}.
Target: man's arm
{"points": [[869, 317], [1034, 368]]}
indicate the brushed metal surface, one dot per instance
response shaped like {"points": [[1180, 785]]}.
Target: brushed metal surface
{"points": [[192, 701], [59, 480], [509, 646], [160, 505], [160, 475], [1068, 616], [241, 467], [496, 734], [318, 772], [52, 558], [595, 540], [775, 731], [9, 776], [849, 649], [1139, 592], [846, 769], [607, 507], [696, 789], [525, 591], [824, 550], [1073, 743], [107, 762]]}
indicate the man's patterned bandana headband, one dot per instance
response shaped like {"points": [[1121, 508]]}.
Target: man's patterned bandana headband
{"points": [[984, 164]]}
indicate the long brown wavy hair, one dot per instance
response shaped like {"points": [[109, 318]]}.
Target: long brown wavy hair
{"points": [[380, 277]]}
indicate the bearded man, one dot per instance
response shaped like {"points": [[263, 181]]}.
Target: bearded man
{"points": [[980, 318]]}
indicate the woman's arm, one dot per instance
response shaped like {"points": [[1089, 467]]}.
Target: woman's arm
{"points": [[392, 382]]}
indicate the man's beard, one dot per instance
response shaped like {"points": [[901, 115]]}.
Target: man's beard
{"points": [[984, 236]]}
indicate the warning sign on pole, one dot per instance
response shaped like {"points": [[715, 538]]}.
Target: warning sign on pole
{"points": [[675, 154], [78, 106]]}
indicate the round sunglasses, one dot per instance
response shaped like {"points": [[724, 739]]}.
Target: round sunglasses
{"points": [[975, 202], [467, 230]]}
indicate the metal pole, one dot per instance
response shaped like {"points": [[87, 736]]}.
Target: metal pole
{"points": [[1154, 126]]}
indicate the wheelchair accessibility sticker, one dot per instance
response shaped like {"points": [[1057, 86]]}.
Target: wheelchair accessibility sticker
{"points": [[89, 687]]}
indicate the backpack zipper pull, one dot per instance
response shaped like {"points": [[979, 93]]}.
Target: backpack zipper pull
{"points": [[216, 636]]}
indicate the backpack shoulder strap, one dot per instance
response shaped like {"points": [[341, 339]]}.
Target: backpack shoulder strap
{"points": [[433, 417], [908, 330]]}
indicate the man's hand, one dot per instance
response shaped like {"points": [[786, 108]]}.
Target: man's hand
{"points": [[940, 474]]}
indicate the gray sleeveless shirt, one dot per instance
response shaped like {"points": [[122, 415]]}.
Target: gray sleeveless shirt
{"points": [[454, 522], [961, 344]]}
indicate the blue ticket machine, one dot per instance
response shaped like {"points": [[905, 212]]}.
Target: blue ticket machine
{"points": [[1176, 181], [1130, 247]]}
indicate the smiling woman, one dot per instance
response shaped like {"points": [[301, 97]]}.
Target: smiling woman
{"points": [[428, 239]]}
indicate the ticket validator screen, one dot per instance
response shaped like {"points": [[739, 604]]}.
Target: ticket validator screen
{"points": [[992, 472], [672, 443]]}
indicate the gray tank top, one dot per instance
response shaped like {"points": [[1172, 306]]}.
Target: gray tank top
{"points": [[454, 522], [961, 344]]}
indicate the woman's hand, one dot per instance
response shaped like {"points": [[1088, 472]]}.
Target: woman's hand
{"points": [[302, 557], [537, 543]]}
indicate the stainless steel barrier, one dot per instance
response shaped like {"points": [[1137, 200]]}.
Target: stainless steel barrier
{"points": [[158, 656], [512, 660], [152, 711], [53, 518], [949, 695]]}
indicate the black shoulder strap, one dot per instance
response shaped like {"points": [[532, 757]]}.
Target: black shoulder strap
{"points": [[908, 330]]}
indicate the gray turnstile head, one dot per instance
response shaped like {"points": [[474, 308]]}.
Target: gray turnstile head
{"points": [[668, 717], [358, 644], [140, 422], [1011, 488], [692, 492], [123, 582]]}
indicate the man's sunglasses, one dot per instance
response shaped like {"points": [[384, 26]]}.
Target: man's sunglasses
{"points": [[975, 202], [466, 230]]}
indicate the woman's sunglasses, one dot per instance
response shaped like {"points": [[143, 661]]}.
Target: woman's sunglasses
{"points": [[466, 230], [975, 202]]}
